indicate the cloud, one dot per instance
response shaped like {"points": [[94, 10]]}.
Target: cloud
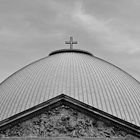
{"points": [[107, 33], [31, 20]]}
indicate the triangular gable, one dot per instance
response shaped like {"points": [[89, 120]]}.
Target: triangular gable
{"points": [[64, 116]]}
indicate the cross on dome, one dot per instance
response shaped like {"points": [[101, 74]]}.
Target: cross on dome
{"points": [[71, 42]]}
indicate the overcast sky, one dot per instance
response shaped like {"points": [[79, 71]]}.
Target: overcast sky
{"points": [[31, 29]]}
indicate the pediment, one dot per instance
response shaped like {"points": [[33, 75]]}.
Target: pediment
{"points": [[65, 117]]}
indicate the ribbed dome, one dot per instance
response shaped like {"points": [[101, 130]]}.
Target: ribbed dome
{"points": [[77, 74]]}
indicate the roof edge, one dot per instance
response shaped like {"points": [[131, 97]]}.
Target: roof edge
{"points": [[69, 51], [71, 101]]}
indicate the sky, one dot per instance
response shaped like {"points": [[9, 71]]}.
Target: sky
{"points": [[31, 29]]}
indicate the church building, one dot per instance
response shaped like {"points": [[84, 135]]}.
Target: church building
{"points": [[70, 94]]}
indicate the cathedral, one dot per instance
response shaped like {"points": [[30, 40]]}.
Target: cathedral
{"points": [[70, 94]]}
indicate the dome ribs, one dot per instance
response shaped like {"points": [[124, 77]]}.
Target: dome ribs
{"points": [[77, 74]]}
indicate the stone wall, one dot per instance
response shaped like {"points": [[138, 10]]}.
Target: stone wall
{"points": [[64, 123]]}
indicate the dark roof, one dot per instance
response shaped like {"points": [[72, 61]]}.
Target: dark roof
{"points": [[70, 50]]}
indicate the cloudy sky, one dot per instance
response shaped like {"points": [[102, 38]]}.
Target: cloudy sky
{"points": [[31, 29]]}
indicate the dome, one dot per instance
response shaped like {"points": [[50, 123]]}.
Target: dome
{"points": [[75, 73]]}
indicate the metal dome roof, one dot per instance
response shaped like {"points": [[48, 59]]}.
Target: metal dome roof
{"points": [[77, 74]]}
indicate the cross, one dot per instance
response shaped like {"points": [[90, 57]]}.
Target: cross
{"points": [[71, 42]]}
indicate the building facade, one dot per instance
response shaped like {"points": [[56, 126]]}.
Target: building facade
{"points": [[70, 94]]}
